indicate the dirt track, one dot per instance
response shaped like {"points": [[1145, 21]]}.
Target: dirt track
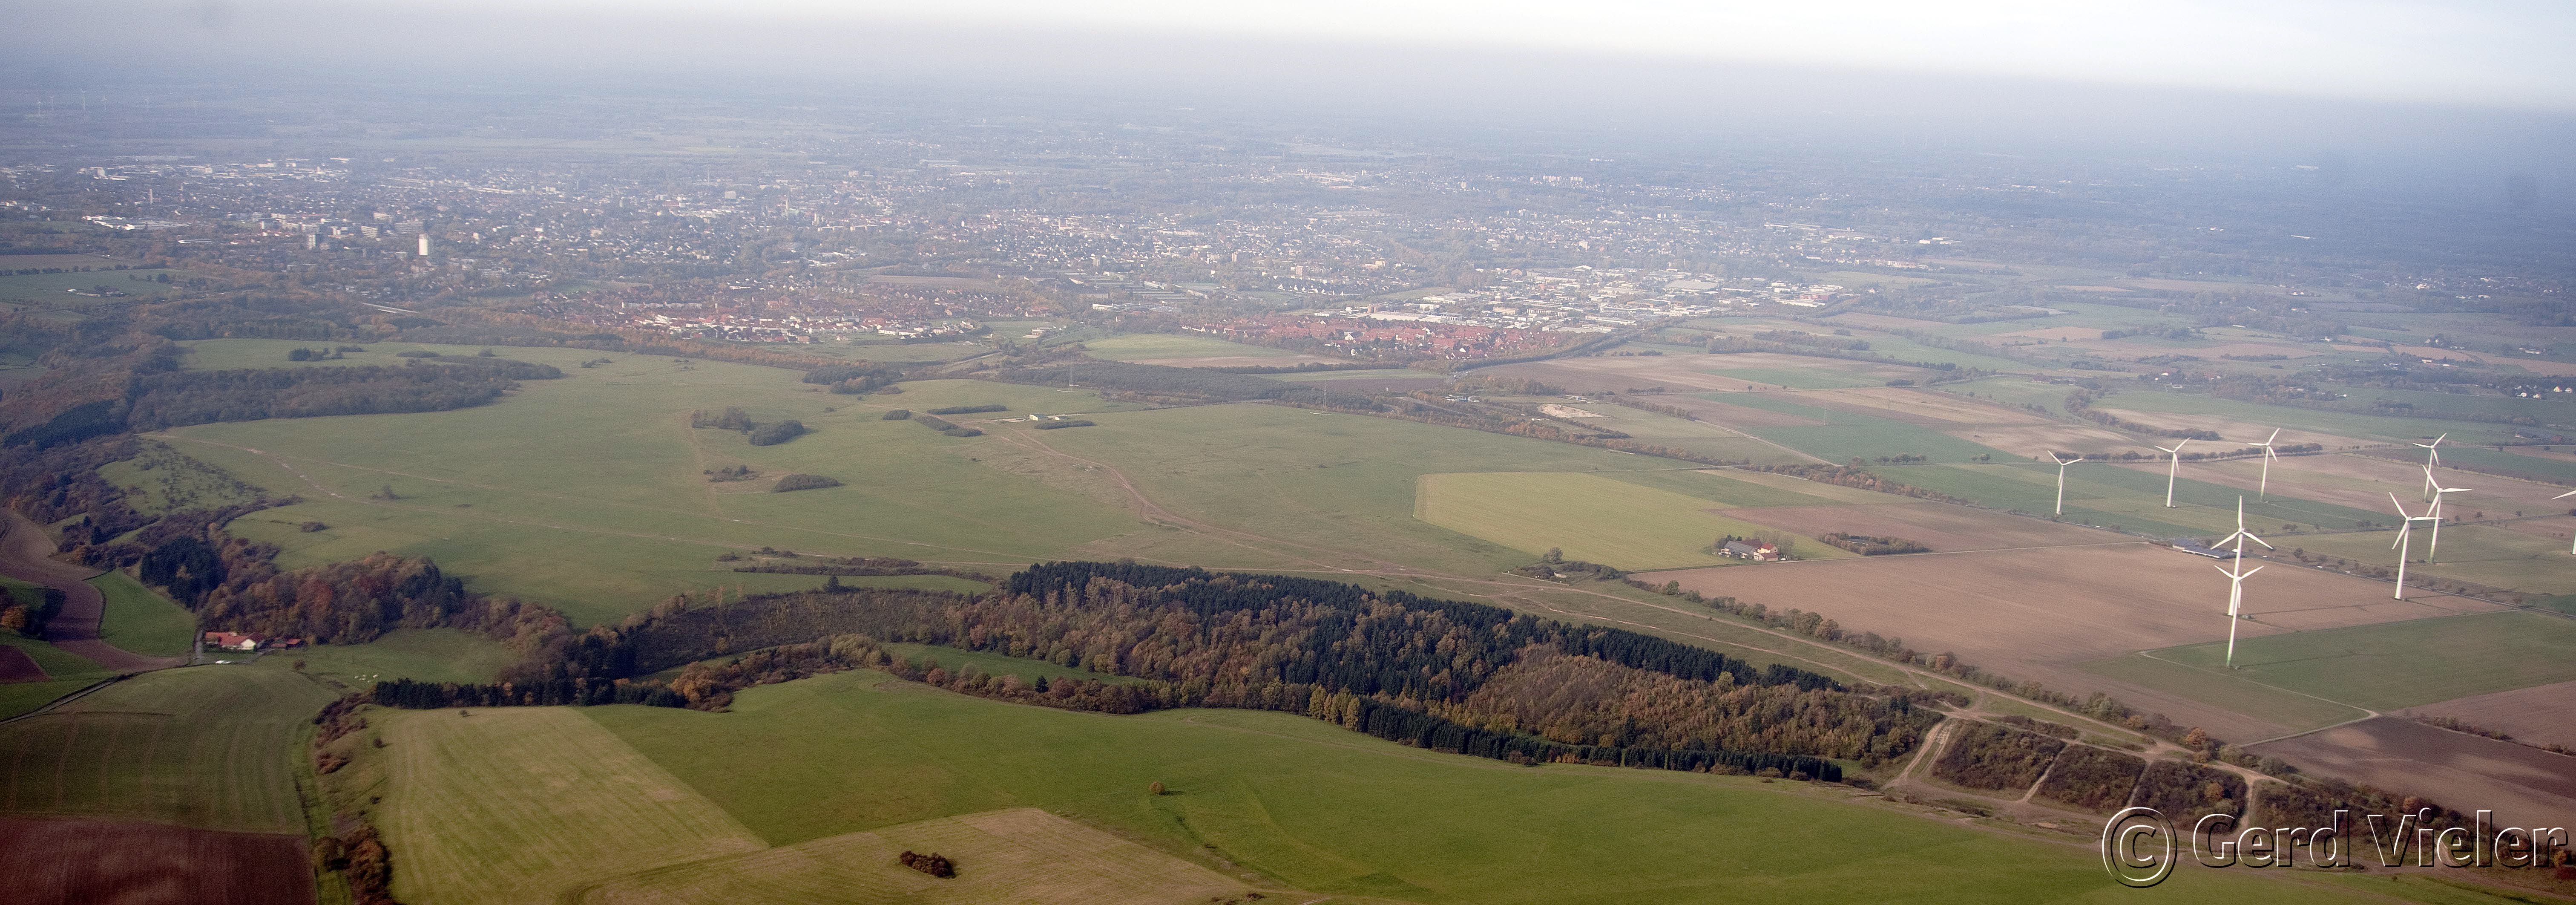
{"points": [[26, 554]]}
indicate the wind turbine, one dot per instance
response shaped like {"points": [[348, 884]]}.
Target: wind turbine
{"points": [[2571, 545], [2432, 460], [2264, 489], [2405, 528], [2175, 471], [2438, 491], [2236, 578], [2061, 479]]}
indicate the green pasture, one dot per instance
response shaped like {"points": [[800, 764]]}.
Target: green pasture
{"points": [[1323, 809], [1590, 517], [1143, 346], [1847, 435], [2227, 690], [206, 746], [54, 288], [420, 654], [2533, 468], [163, 480], [1316, 488], [2395, 665], [141, 621], [589, 493], [2483, 554]]}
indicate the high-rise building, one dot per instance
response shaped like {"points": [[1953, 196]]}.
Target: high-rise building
{"points": [[312, 241], [424, 246]]}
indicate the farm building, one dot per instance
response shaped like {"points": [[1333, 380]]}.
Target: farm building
{"points": [[243, 641], [2194, 548], [1755, 552]]}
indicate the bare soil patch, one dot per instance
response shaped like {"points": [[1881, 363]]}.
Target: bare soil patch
{"points": [[1945, 528], [2541, 713], [16, 666], [2523, 785], [84, 862]]}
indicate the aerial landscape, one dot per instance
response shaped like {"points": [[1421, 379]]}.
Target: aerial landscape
{"points": [[696, 465]]}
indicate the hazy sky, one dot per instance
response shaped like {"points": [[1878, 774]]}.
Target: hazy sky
{"points": [[2481, 52]]}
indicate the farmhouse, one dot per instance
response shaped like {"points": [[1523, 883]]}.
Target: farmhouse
{"points": [[2194, 548], [1763, 552], [242, 641]]}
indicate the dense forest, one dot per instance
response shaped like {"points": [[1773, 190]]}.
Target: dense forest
{"points": [[1441, 674], [197, 397]]}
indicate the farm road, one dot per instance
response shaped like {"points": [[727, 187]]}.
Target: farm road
{"points": [[26, 553]]}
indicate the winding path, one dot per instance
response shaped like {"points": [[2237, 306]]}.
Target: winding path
{"points": [[26, 553]]}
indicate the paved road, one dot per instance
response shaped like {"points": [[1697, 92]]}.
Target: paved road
{"points": [[26, 554]]}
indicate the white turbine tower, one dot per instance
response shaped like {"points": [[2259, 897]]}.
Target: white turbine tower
{"points": [[2432, 460], [2061, 479], [2404, 549], [2264, 489], [2571, 545], [2236, 577], [2438, 492], [2175, 471]]}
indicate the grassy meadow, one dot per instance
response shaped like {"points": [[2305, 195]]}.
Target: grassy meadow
{"points": [[1590, 517], [1150, 346], [2485, 554], [141, 621]]}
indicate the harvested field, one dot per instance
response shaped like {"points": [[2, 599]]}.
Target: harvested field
{"points": [[2364, 481], [1941, 526], [2038, 614], [79, 862], [2523, 785], [1021, 857], [16, 666], [2539, 714]]}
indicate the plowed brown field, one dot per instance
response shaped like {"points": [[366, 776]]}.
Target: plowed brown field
{"points": [[104, 862]]}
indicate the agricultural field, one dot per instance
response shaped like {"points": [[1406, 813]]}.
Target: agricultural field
{"points": [[1023, 856], [2540, 714], [2492, 555], [205, 746], [1695, 436], [1302, 804], [2044, 614], [2247, 421], [76, 290], [2394, 666], [65, 672], [51, 860], [141, 621], [591, 493], [2523, 785], [1840, 436], [1590, 517], [421, 654], [1687, 373], [1186, 350], [506, 804]]}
